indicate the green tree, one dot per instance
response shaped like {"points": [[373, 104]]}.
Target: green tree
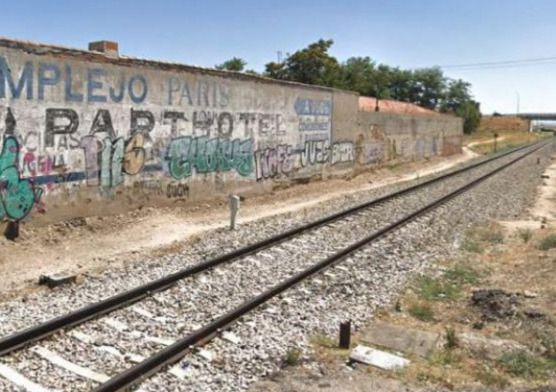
{"points": [[382, 81], [358, 74], [361, 74], [234, 64], [400, 84], [459, 101], [427, 87], [312, 65], [275, 70], [471, 113], [457, 93]]}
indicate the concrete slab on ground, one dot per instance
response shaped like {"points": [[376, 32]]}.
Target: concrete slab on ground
{"points": [[489, 347], [380, 359], [400, 338]]}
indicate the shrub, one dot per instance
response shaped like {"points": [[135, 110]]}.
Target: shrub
{"points": [[451, 339], [490, 234], [548, 341], [437, 290], [421, 312], [548, 242], [491, 378], [324, 341], [525, 234], [293, 356], [472, 246], [461, 275], [523, 364]]}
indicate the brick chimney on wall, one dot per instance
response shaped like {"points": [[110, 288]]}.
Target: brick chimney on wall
{"points": [[109, 48]]}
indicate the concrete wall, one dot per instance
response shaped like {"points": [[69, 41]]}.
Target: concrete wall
{"points": [[84, 133], [388, 136]]}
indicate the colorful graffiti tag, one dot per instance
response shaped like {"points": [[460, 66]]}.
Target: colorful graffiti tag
{"points": [[17, 195], [186, 154]]}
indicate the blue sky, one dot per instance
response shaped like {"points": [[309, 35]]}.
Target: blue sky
{"points": [[405, 33]]}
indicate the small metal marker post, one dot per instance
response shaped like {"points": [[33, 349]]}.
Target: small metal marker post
{"points": [[234, 208], [345, 334], [495, 139]]}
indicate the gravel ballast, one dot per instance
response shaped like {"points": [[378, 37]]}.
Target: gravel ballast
{"points": [[350, 290]]}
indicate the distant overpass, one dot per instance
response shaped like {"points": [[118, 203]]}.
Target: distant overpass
{"points": [[534, 116]]}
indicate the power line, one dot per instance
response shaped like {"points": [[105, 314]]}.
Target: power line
{"points": [[501, 63], [500, 66]]}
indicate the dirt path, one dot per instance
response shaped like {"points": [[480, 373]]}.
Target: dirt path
{"points": [[93, 244], [543, 212], [488, 141]]}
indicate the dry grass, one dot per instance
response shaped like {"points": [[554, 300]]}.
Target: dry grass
{"points": [[516, 266], [440, 303], [548, 242], [421, 311], [507, 139], [292, 357]]}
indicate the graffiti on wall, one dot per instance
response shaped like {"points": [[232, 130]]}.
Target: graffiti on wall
{"points": [[371, 153], [17, 195], [314, 118], [315, 152], [177, 190], [321, 152], [149, 187], [116, 122], [37, 79], [213, 123], [272, 162], [342, 152], [187, 155]]}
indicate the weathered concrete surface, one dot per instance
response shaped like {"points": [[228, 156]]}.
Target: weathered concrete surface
{"points": [[99, 136], [55, 280], [402, 339], [344, 121], [490, 347], [86, 133], [387, 136], [377, 358]]}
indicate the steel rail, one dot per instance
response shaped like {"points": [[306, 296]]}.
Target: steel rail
{"points": [[26, 336], [128, 378]]}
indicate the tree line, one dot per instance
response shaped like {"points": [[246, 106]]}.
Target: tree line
{"points": [[427, 87]]}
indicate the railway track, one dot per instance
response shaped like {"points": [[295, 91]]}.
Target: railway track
{"points": [[305, 244]]}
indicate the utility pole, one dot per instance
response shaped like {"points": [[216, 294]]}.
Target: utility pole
{"points": [[377, 98], [517, 102]]}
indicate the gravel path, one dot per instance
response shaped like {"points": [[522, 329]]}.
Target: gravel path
{"points": [[369, 278]]}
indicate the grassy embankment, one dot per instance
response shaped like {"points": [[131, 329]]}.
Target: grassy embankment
{"points": [[512, 132], [516, 272], [494, 306], [506, 141]]}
